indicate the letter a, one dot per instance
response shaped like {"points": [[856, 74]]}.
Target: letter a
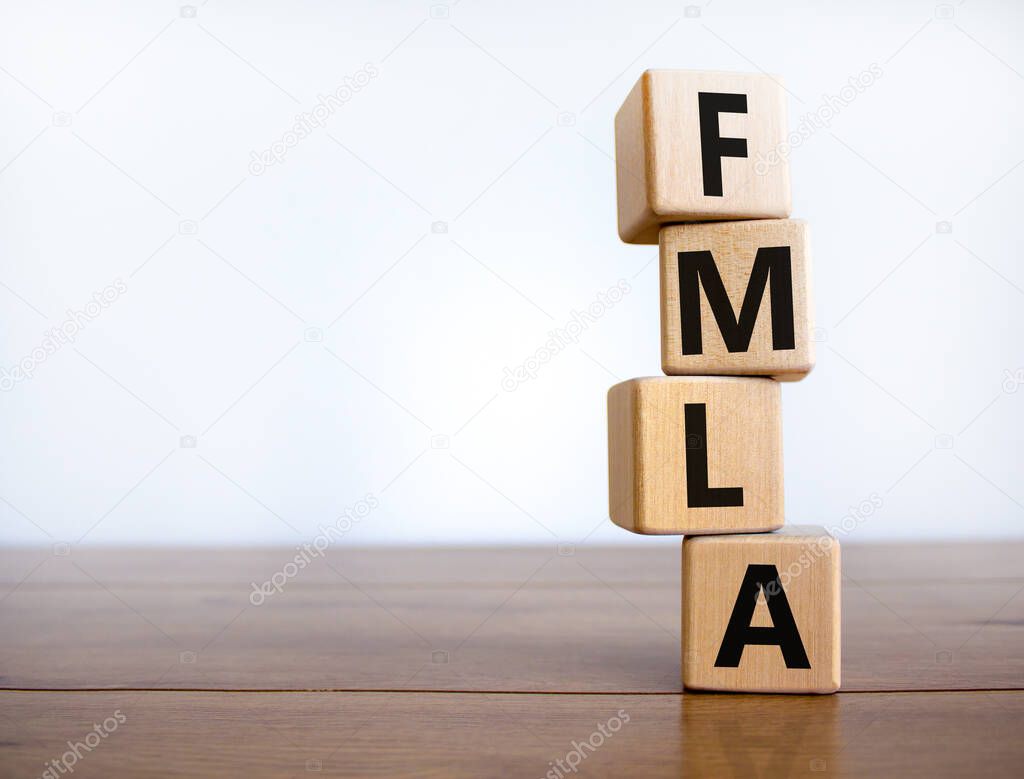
{"points": [[740, 633]]}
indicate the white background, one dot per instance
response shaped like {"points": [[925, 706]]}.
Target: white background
{"points": [[126, 125]]}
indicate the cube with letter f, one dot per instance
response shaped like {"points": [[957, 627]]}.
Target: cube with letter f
{"points": [[698, 146]]}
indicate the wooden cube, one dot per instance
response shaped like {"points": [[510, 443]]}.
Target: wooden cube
{"points": [[698, 146], [735, 299], [761, 612], [695, 455]]}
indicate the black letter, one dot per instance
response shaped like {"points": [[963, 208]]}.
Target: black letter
{"points": [[771, 262], [783, 634], [712, 146], [698, 494]]}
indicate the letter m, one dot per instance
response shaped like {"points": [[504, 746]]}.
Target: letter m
{"points": [[697, 268]]}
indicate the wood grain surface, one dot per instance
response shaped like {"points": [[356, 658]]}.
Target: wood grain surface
{"points": [[916, 617], [483, 735], [488, 662]]}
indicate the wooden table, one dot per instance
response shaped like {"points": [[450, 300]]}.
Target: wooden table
{"points": [[487, 662]]}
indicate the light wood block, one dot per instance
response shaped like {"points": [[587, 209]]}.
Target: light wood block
{"points": [[695, 146], [735, 299], [695, 455], [761, 612]]}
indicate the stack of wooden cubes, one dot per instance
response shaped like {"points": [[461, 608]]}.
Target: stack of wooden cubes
{"points": [[702, 170]]}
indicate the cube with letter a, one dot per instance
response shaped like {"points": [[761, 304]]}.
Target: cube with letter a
{"points": [[761, 612], [698, 146]]}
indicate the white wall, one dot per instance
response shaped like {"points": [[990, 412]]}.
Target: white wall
{"points": [[458, 123]]}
